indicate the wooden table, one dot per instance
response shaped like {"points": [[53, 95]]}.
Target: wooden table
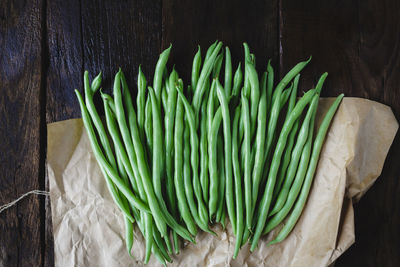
{"points": [[46, 45]]}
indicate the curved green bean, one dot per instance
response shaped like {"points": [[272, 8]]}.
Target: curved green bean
{"points": [[204, 180], [238, 183], [259, 142], [178, 169], [141, 100], [307, 130], [319, 140], [196, 68], [254, 95], [247, 159], [217, 66], [237, 81], [270, 85], [228, 73], [280, 146], [228, 154], [159, 72], [148, 128], [213, 165]]}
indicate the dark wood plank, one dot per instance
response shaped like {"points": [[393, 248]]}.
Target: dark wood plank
{"points": [[187, 24], [358, 45], [129, 34], [21, 233]]}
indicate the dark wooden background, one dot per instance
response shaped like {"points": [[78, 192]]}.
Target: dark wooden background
{"points": [[46, 45]]}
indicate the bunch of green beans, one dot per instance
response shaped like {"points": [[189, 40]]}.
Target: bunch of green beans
{"points": [[229, 147]]}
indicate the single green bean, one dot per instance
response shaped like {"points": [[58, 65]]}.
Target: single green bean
{"points": [[178, 170], [148, 128], [204, 181], [238, 183], [254, 95], [210, 105], [141, 100], [169, 142], [159, 71], [196, 67], [228, 154], [228, 73], [247, 61], [307, 130], [213, 165], [319, 140], [221, 179], [164, 98], [237, 81], [270, 85], [280, 146], [247, 159], [217, 66], [259, 142], [210, 50]]}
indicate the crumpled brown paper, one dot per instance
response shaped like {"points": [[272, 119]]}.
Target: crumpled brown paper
{"points": [[89, 229]]}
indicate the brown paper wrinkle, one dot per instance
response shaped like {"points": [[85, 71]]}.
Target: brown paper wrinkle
{"points": [[89, 229]]}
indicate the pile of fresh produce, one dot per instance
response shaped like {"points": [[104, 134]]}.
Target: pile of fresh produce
{"points": [[228, 146]]}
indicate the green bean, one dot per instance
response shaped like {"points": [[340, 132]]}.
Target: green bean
{"points": [[228, 154], [194, 156], [210, 105], [148, 128], [280, 146], [292, 135], [164, 98], [217, 66], [254, 95], [102, 160], [120, 114], [296, 154], [237, 81], [169, 141], [223, 218], [204, 181], [238, 231], [89, 91], [140, 99], [178, 169], [319, 140], [204, 74], [210, 50], [274, 114], [247, 60], [228, 73], [118, 145], [270, 85], [159, 71], [196, 67], [187, 177], [246, 235], [128, 223], [132, 146], [285, 96], [213, 165], [221, 178], [259, 142], [306, 132], [247, 159]]}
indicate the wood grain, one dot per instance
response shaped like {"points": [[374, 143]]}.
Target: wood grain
{"points": [[20, 75], [358, 45], [187, 24]]}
